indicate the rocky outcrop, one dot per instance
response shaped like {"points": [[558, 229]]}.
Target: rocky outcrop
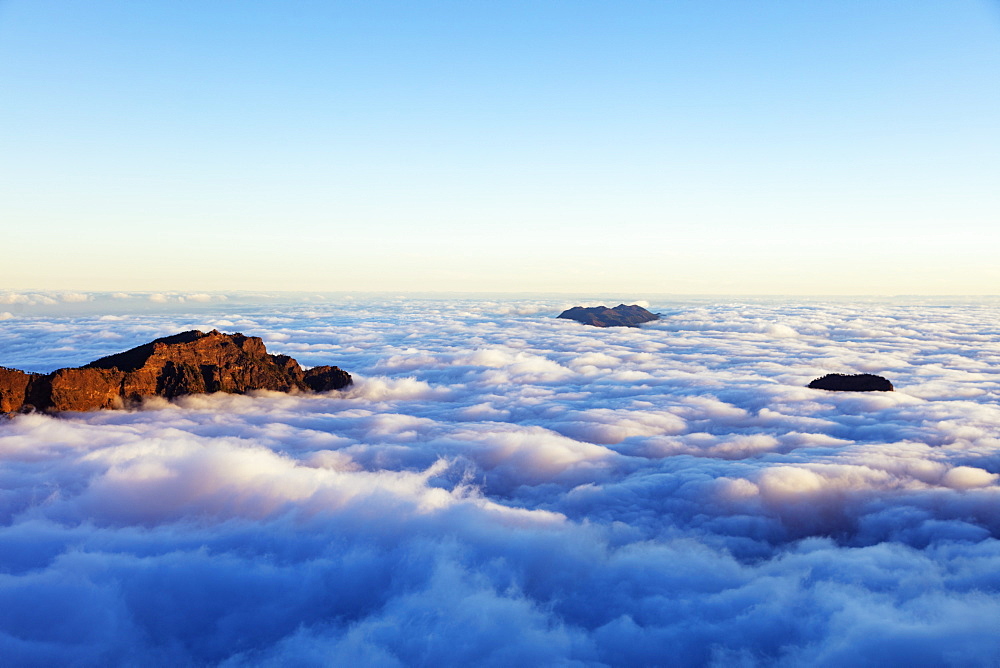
{"points": [[859, 382], [188, 363], [13, 389], [602, 316]]}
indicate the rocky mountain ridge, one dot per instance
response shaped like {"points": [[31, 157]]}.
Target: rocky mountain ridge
{"points": [[601, 316], [191, 362]]}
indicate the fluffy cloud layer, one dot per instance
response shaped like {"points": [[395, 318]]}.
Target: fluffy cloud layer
{"points": [[501, 487]]}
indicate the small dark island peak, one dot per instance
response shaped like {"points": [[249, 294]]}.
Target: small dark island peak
{"points": [[859, 382], [601, 316]]}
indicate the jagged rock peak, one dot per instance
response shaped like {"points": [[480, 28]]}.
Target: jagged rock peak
{"points": [[602, 316], [859, 382], [191, 362]]}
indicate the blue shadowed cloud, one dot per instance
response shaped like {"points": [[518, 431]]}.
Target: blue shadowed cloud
{"points": [[500, 486]]}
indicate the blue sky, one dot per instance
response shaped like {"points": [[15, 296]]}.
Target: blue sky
{"points": [[685, 147]]}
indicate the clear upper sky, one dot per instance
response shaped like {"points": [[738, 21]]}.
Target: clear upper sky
{"points": [[821, 147]]}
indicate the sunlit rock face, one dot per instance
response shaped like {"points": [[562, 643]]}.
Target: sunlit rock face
{"points": [[13, 386], [602, 316], [859, 382], [188, 363]]}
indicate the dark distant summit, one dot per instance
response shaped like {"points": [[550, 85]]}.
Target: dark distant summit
{"points": [[860, 382], [602, 316], [188, 363]]}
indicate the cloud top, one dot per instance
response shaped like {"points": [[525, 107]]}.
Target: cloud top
{"points": [[499, 489]]}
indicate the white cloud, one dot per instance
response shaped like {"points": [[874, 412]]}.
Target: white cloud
{"points": [[499, 489], [393, 389], [14, 298], [968, 477]]}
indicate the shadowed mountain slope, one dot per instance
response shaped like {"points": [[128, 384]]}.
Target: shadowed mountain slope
{"points": [[602, 316], [859, 382]]}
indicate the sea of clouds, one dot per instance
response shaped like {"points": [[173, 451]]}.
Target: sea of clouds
{"points": [[500, 487]]}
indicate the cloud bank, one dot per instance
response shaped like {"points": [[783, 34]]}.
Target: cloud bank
{"points": [[501, 487]]}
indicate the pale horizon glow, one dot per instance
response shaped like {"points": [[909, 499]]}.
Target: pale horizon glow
{"points": [[640, 148]]}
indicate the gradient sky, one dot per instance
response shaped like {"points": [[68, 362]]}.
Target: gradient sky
{"points": [[776, 147]]}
